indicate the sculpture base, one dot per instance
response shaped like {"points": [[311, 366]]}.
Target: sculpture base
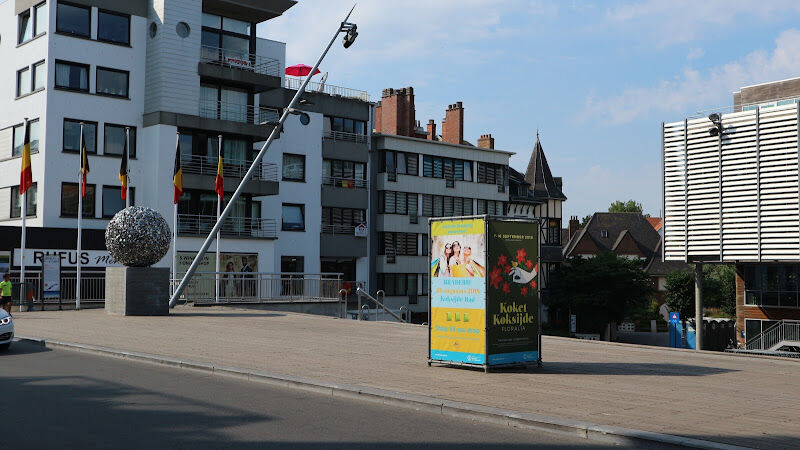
{"points": [[137, 291]]}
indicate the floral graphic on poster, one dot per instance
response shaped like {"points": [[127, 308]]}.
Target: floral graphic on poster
{"points": [[517, 273]]}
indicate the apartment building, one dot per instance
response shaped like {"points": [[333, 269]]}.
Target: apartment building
{"points": [[731, 195], [174, 72], [417, 174]]}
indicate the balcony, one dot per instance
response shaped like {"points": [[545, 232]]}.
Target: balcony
{"points": [[340, 241], [235, 168], [344, 192], [336, 91], [347, 183], [345, 137], [235, 227], [247, 62], [235, 112]]}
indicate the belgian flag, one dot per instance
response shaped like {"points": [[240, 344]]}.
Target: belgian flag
{"points": [[26, 175], [219, 185], [177, 176], [123, 172], [84, 164]]}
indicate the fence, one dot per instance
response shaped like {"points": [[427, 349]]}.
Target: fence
{"points": [[207, 165], [240, 60], [338, 91], [241, 227], [345, 136], [350, 183], [257, 287], [783, 332], [93, 288], [237, 112]]}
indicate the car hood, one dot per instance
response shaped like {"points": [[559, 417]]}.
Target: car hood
{"points": [[3, 314]]}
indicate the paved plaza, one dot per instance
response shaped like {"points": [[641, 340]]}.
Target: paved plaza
{"points": [[726, 398]]}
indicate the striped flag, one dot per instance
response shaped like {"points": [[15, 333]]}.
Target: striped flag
{"points": [[84, 166], [123, 172], [26, 175], [219, 185], [177, 176]]}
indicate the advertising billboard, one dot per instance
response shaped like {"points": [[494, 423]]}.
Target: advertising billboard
{"points": [[484, 292]]}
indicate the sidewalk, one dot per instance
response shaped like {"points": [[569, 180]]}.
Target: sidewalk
{"points": [[739, 400]]}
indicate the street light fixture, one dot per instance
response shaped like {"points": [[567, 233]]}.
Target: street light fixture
{"points": [[350, 37]]}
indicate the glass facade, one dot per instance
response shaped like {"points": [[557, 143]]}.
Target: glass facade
{"points": [[772, 285]]}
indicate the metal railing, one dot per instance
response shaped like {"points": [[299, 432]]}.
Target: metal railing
{"points": [[207, 165], [380, 308], [784, 332], [259, 287], [349, 230], [242, 227], [338, 91], [237, 112], [345, 136], [93, 288], [350, 183], [238, 60]]}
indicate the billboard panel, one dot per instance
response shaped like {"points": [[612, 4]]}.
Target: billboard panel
{"points": [[458, 291], [513, 292]]}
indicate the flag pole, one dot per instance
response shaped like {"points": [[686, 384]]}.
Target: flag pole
{"points": [[80, 217], [219, 210], [127, 166], [175, 228], [24, 213]]}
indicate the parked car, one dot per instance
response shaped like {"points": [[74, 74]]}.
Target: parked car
{"points": [[6, 329]]}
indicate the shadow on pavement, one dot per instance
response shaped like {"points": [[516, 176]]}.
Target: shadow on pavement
{"points": [[604, 368], [224, 314], [24, 348]]}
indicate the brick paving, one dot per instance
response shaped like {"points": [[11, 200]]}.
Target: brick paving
{"points": [[726, 398]]}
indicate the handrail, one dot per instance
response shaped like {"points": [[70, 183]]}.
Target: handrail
{"points": [[239, 60], [345, 136], [364, 293], [207, 165], [254, 227], [237, 112], [782, 331], [345, 182], [339, 91], [343, 302]]}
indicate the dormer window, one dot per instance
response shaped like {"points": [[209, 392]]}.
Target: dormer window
{"points": [[604, 233]]}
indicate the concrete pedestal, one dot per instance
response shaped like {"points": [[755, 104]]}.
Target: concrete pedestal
{"points": [[137, 291]]}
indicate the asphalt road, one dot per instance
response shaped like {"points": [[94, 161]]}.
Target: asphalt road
{"points": [[64, 399]]}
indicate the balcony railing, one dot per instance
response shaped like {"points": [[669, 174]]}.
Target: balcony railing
{"points": [[344, 136], [240, 227], [207, 165], [349, 230], [350, 183], [257, 287], [235, 112], [238, 60], [337, 91]]}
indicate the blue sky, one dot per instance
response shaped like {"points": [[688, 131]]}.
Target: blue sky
{"points": [[595, 78]]}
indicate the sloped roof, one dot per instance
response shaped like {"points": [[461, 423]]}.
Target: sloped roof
{"points": [[658, 267], [539, 176], [656, 222], [519, 190], [617, 226]]}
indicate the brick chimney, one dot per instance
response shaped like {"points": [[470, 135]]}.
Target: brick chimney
{"points": [[431, 130], [574, 226], [486, 141], [453, 124], [396, 113]]}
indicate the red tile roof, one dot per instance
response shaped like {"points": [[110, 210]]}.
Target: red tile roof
{"points": [[656, 222]]}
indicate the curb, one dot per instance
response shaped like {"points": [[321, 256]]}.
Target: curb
{"points": [[487, 414]]}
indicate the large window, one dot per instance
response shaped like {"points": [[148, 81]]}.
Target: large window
{"points": [[113, 27], [404, 203], [39, 76], [492, 174], [399, 284], [344, 125], [114, 140], [230, 35], [40, 18], [398, 244], [225, 104], [16, 202], [72, 76], [342, 220], [293, 217], [294, 167], [772, 285], [24, 84], [444, 206], [19, 137], [69, 200], [112, 82], [112, 200], [72, 136], [491, 207], [25, 27], [73, 19], [341, 173], [400, 162], [447, 168]]}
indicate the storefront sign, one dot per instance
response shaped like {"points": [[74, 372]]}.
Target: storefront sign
{"points": [[69, 258]]}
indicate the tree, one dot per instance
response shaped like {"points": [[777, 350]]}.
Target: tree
{"points": [[719, 290], [680, 293], [601, 289], [629, 206], [585, 220]]}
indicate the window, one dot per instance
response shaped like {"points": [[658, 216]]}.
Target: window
{"points": [[73, 19], [398, 284], [491, 207], [492, 174], [772, 285], [398, 244], [25, 30], [72, 136], [230, 35], [114, 140], [341, 220], [23, 81], [443, 206], [400, 162], [604, 233], [403, 203], [294, 167], [69, 200], [39, 76], [293, 217], [113, 27], [40, 14], [112, 82], [16, 202], [112, 199], [344, 125], [72, 76], [19, 137]]}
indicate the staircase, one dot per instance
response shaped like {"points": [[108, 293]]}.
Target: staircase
{"points": [[782, 337]]}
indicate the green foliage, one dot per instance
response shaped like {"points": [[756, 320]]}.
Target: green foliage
{"points": [[629, 206], [585, 220], [604, 288], [719, 290], [680, 293]]}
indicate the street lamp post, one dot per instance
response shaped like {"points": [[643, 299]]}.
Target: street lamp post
{"points": [[351, 33]]}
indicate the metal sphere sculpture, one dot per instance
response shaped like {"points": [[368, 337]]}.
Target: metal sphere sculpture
{"points": [[138, 237]]}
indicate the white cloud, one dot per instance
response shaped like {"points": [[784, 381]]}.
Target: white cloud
{"points": [[695, 53], [694, 89], [679, 21]]}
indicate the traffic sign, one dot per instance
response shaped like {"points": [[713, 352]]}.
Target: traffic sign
{"points": [[674, 317]]}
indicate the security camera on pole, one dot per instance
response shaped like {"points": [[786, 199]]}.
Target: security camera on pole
{"points": [[351, 33]]}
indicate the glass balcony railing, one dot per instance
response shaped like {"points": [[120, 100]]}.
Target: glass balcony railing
{"points": [[207, 165], [235, 112], [241, 227]]}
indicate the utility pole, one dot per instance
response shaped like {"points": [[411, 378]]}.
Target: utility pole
{"points": [[698, 306]]}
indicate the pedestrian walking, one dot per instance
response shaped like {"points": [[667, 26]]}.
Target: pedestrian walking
{"points": [[5, 293]]}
